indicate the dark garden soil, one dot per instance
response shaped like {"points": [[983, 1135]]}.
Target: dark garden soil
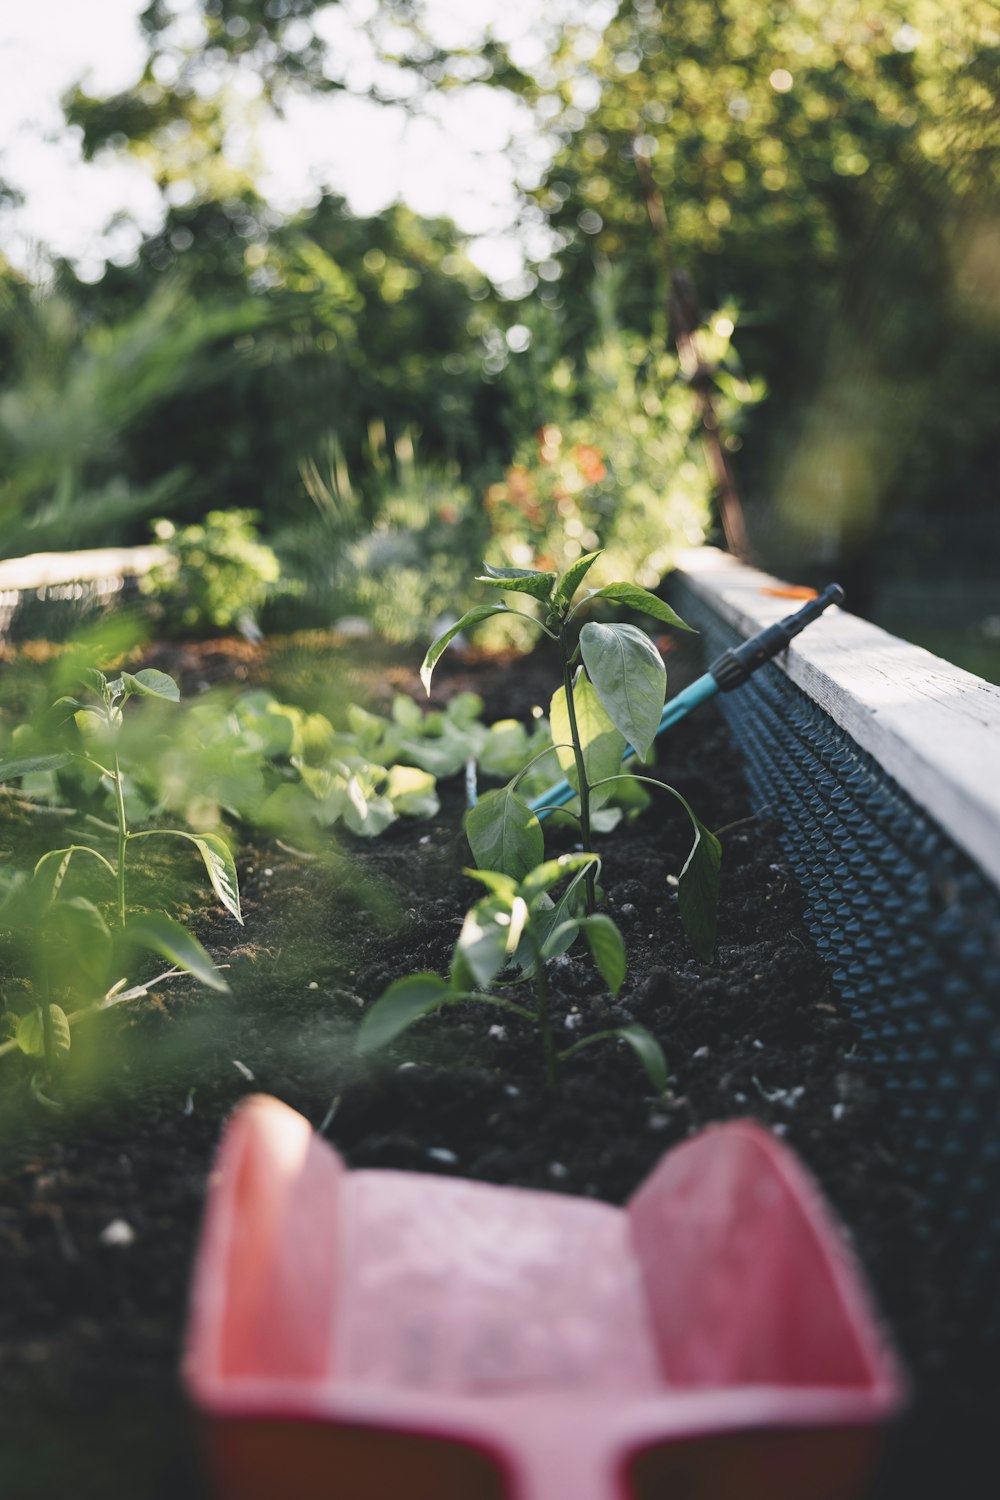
{"points": [[91, 1316]]}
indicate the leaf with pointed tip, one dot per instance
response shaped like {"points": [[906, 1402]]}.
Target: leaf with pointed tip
{"points": [[11, 769], [571, 580], [495, 882], [76, 926], [608, 947], [634, 597], [218, 859], [629, 678], [698, 891], [405, 1001], [504, 833], [161, 934], [519, 581], [152, 684], [649, 1052], [544, 876], [434, 652]]}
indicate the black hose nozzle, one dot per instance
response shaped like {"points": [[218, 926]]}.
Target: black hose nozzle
{"points": [[733, 667]]}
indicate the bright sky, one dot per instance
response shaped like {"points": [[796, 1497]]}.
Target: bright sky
{"points": [[464, 154]]}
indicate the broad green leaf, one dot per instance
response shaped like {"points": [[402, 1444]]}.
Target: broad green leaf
{"points": [[603, 744], [608, 947], [633, 597], [11, 769], [504, 833], [369, 728], [412, 792], [572, 579], [464, 709], [365, 813], [404, 1002], [519, 580], [495, 882], [629, 677], [405, 713], [161, 934], [152, 684], [472, 617], [649, 1052], [30, 1034], [482, 943], [77, 924], [698, 891], [555, 927]]}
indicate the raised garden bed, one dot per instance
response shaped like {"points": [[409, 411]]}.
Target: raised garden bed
{"points": [[91, 1320]]}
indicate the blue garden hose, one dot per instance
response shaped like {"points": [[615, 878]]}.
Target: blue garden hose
{"points": [[728, 671]]}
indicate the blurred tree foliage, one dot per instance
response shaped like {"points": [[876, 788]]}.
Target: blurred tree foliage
{"points": [[832, 167], [829, 174]]}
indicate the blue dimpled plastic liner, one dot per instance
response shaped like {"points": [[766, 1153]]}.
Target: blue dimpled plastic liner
{"points": [[911, 927]]}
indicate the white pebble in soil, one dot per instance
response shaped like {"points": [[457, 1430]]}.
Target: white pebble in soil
{"points": [[838, 1111], [498, 1033], [700, 1052], [118, 1233], [558, 1171], [573, 1022], [443, 1155]]}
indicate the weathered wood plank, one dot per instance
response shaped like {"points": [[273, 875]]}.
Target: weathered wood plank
{"points": [[41, 570], [934, 727]]}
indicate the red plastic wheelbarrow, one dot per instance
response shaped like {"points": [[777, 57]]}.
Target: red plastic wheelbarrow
{"points": [[378, 1335]]}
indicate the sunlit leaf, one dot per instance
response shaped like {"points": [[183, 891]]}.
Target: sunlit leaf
{"points": [[629, 677], [161, 934], [634, 597]]}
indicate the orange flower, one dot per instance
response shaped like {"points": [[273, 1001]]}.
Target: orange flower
{"points": [[589, 461]]}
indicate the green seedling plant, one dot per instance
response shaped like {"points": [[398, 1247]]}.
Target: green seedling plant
{"points": [[611, 698], [518, 925], [71, 932]]}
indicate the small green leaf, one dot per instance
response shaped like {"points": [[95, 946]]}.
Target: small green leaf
{"points": [[504, 833], [544, 876], [11, 769], [161, 934], [482, 943], [404, 1002], [608, 947], [495, 882], [698, 891], [572, 579], [152, 684], [519, 580], [629, 677], [633, 597], [472, 617], [30, 1034], [649, 1052]]}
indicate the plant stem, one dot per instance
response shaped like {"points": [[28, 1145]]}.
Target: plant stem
{"points": [[122, 839], [581, 771]]}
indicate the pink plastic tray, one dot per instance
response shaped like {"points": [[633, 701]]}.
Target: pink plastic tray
{"points": [[370, 1335]]}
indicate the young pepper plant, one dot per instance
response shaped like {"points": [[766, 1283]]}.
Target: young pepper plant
{"points": [[612, 700], [93, 740], [517, 924]]}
